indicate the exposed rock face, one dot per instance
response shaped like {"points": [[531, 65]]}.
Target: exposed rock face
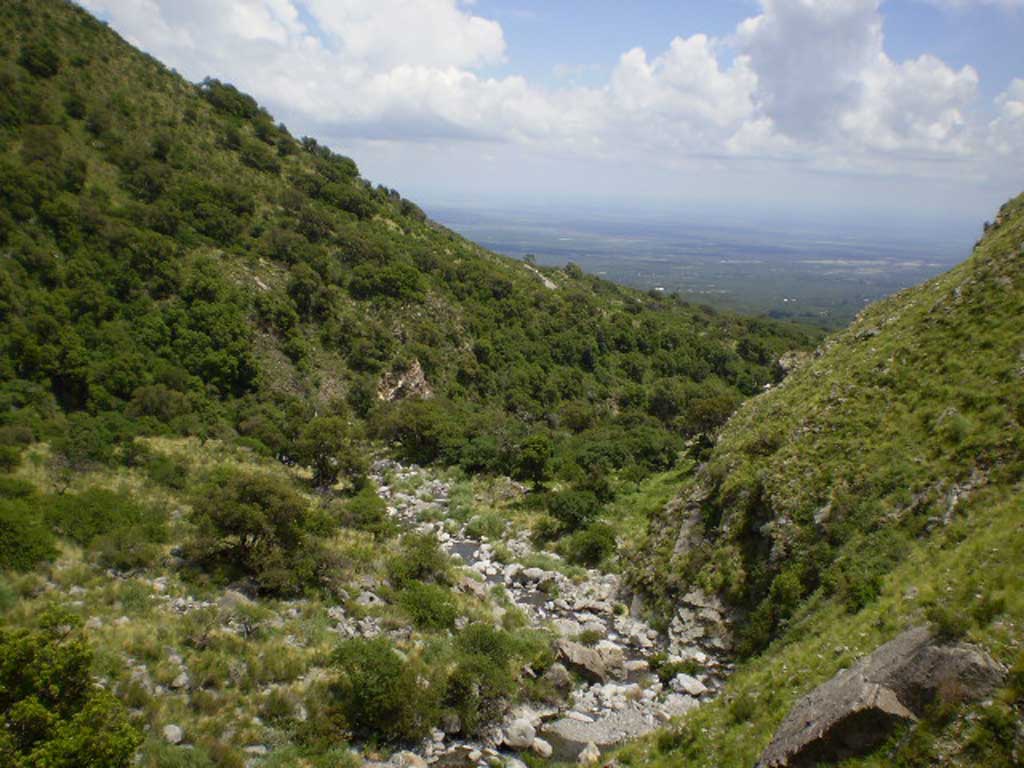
{"points": [[401, 385], [858, 708], [585, 661]]}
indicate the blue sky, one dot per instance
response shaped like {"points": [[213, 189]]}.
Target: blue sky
{"points": [[586, 37], [861, 108]]}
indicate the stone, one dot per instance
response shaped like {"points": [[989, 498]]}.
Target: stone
{"points": [[567, 627], [569, 736], [541, 748], [181, 681], [520, 734], [585, 661], [590, 755], [677, 704], [858, 708], [408, 760], [173, 734], [612, 655], [368, 599], [683, 683]]}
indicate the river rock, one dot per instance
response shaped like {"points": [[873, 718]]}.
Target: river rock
{"points": [[569, 736], [520, 734], [612, 655], [541, 748], [591, 755], [408, 760], [683, 683], [585, 661], [858, 708]]}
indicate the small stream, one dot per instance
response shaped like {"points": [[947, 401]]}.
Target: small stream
{"points": [[621, 699]]}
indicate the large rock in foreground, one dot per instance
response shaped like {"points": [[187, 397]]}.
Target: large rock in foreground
{"points": [[859, 708]]}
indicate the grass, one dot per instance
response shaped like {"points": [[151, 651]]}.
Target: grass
{"points": [[980, 554]]}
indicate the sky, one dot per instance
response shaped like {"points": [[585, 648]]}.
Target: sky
{"points": [[904, 110]]}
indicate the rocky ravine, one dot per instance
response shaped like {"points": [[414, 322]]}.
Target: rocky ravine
{"points": [[617, 698]]}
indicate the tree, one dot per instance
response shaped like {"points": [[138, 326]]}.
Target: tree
{"points": [[53, 714], [325, 445], [533, 458], [254, 525]]}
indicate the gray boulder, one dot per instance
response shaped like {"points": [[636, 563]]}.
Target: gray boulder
{"points": [[858, 708], [520, 734], [585, 661]]}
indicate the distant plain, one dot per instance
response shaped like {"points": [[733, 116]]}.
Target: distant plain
{"points": [[815, 273]]}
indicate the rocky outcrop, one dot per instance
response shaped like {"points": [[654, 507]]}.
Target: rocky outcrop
{"points": [[402, 385], [858, 708]]}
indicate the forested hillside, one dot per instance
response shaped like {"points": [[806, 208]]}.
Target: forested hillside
{"points": [[175, 258]]}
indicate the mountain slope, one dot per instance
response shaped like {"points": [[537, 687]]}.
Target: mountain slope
{"points": [[168, 243], [879, 485]]}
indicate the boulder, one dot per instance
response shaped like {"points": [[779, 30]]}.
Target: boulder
{"points": [[858, 708], [585, 661], [589, 756], [173, 734], [570, 736], [559, 678], [408, 760], [541, 748], [520, 734], [368, 599], [683, 683], [613, 656]]}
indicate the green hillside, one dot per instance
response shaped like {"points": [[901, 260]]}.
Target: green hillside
{"points": [[878, 486], [175, 256]]}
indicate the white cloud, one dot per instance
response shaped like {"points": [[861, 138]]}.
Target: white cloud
{"points": [[961, 4], [805, 81], [1006, 132]]}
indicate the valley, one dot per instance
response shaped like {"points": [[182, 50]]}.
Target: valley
{"points": [[293, 475]]}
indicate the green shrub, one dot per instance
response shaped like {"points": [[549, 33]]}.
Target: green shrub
{"points": [[126, 549], [949, 622], [40, 59], [380, 695], [420, 558], [428, 605], [54, 714], [10, 458], [574, 509], [96, 512], [15, 488], [8, 597], [167, 471], [25, 538], [325, 445], [159, 754], [591, 546], [366, 511]]}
